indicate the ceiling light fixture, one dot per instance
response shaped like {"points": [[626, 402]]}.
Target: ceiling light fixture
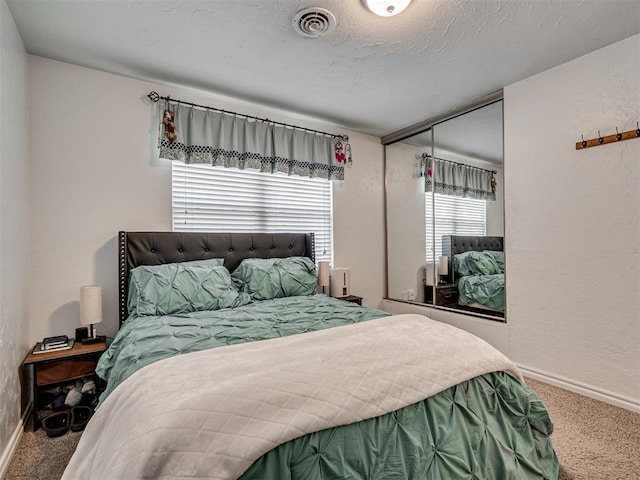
{"points": [[386, 8]]}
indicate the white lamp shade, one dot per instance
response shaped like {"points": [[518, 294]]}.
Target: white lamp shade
{"points": [[430, 274], [386, 8], [90, 304], [323, 274], [443, 265]]}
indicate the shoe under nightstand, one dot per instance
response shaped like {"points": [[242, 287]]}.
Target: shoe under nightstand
{"points": [[58, 368]]}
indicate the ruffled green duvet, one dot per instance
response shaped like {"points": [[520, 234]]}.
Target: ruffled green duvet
{"points": [[491, 427], [485, 289], [143, 340]]}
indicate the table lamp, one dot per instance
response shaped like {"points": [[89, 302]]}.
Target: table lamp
{"points": [[323, 276], [443, 266], [91, 310]]}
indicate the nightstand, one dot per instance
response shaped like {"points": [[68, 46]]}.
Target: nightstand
{"points": [[447, 295], [52, 369], [352, 299]]}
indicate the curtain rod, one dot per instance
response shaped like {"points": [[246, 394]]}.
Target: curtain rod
{"points": [[154, 97], [426, 155]]}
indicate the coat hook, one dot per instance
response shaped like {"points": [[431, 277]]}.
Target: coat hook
{"points": [[618, 135], [600, 139], [584, 142]]}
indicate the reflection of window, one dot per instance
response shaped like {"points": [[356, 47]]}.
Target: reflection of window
{"points": [[454, 216], [217, 199]]}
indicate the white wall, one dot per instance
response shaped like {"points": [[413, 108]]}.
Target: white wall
{"points": [[92, 176], [572, 228], [573, 221], [14, 230]]}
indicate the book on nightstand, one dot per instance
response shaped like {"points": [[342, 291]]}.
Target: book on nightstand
{"points": [[41, 347], [50, 342]]}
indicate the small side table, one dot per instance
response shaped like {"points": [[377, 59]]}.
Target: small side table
{"points": [[352, 299], [447, 295], [60, 367]]}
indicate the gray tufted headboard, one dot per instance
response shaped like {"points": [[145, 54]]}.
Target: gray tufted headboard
{"points": [[455, 244], [156, 248]]}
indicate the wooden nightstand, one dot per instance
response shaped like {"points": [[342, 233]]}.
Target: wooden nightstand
{"points": [[59, 368], [352, 299]]}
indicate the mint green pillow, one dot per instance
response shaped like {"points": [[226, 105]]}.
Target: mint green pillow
{"points": [[182, 288], [498, 256], [266, 278], [480, 263], [460, 264]]}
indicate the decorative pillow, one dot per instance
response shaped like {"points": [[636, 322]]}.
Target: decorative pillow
{"points": [[460, 264], [482, 264], [498, 256], [264, 278], [476, 263], [182, 288]]}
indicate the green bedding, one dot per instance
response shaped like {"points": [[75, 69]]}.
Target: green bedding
{"points": [[485, 289], [146, 339], [490, 427]]}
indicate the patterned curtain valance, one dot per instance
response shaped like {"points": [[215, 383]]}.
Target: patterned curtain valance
{"points": [[458, 179], [196, 135]]}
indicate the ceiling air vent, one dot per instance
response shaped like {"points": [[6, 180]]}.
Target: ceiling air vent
{"points": [[314, 22]]}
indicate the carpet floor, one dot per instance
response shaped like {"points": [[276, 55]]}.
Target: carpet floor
{"points": [[593, 440]]}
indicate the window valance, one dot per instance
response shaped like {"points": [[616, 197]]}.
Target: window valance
{"points": [[204, 135], [458, 179]]}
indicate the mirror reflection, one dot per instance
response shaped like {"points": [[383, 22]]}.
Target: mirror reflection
{"points": [[445, 215]]}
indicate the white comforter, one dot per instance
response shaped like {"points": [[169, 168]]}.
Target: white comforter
{"points": [[211, 414]]}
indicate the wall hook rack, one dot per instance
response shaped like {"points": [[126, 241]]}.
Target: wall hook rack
{"points": [[616, 137]]}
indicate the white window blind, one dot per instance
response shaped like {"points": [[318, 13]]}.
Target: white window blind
{"points": [[218, 199], [454, 216]]}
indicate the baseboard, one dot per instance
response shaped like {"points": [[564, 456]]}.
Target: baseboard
{"points": [[582, 389], [5, 458]]}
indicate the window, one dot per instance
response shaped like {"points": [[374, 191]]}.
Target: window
{"points": [[454, 216], [218, 199]]}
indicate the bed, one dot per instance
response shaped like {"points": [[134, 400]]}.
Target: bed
{"points": [[297, 386], [476, 266]]}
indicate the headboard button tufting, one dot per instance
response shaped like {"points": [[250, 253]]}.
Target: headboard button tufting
{"points": [[139, 248]]}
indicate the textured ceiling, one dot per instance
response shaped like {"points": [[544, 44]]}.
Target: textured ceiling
{"points": [[372, 74]]}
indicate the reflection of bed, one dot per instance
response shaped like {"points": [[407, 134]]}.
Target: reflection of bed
{"points": [[479, 276], [364, 399]]}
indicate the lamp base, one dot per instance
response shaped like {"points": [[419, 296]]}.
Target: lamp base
{"points": [[90, 340]]}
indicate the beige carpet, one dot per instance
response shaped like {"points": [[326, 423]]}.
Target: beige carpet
{"points": [[39, 457], [593, 440]]}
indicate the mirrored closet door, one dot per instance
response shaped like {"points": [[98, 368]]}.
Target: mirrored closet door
{"points": [[445, 214]]}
